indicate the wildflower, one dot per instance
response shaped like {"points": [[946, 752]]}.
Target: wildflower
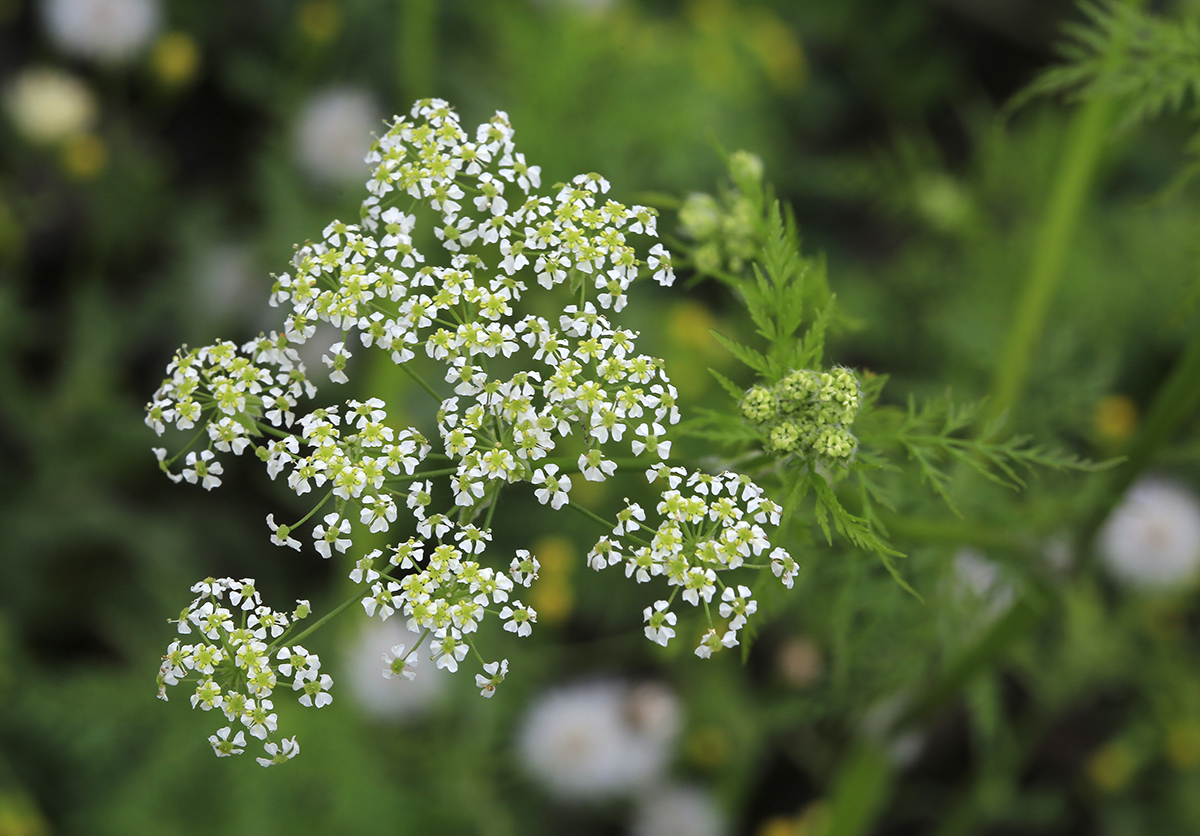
{"points": [[1151, 540], [659, 623], [397, 663], [48, 105], [553, 488], [281, 752], [109, 31], [519, 618], [333, 127], [201, 468], [240, 654], [496, 671], [281, 534], [675, 809], [600, 739], [223, 746]]}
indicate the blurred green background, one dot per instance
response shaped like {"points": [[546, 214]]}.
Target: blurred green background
{"points": [[158, 160]]}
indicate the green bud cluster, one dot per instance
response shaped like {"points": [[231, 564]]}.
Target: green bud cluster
{"points": [[726, 230], [807, 413]]}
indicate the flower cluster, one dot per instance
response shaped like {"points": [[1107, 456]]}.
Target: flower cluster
{"points": [[446, 594], [534, 399], [239, 658], [807, 414], [713, 526], [726, 230]]}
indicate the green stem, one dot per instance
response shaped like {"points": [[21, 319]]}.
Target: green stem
{"points": [[314, 510], [338, 610], [421, 382], [426, 474], [487, 522], [594, 517], [1086, 137]]}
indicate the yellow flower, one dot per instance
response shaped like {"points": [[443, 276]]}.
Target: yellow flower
{"points": [[175, 59]]}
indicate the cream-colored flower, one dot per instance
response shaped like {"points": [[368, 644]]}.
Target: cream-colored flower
{"points": [[48, 105]]}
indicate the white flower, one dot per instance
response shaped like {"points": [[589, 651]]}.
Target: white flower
{"points": [[337, 362], [332, 132], [714, 641], [677, 811], [280, 752], [448, 651], [334, 533], [203, 469], [659, 622], [48, 104], [524, 567], [223, 746], [110, 31], [398, 663], [595, 467], [976, 575], [298, 663], [553, 488], [315, 691], [600, 739], [496, 671], [281, 534], [737, 604], [650, 437], [1152, 538], [519, 618]]}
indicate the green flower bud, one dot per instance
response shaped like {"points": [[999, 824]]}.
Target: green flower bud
{"points": [[746, 169], [796, 390], [835, 443], [700, 216], [759, 405], [828, 413], [708, 258], [739, 224], [784, 438]]}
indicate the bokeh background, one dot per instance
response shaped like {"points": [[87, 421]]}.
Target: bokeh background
{"points": [[158, 160]]}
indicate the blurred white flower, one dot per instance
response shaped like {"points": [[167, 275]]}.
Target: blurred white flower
{"points": [[48, 104], [878, 724], [395, 699], [332, 131], [110, 31], [977, 574], [1152, 538], [600, 739], [677, 811], [594, 6], [225, 280]]}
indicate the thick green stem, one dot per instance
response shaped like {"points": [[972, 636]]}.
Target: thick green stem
{"points": [[1086, 137]]}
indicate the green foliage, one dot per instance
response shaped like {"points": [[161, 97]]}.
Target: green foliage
{"points": [[1148, 62], [934, 439], [935, 436]]}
